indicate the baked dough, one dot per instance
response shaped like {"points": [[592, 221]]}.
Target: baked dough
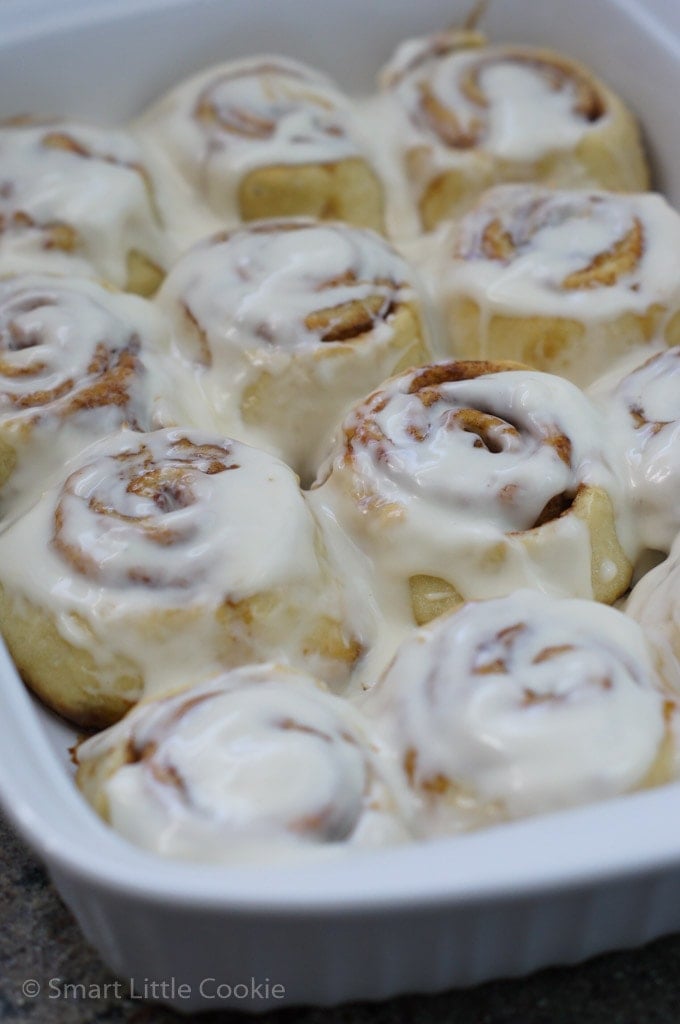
{"points": [[162, 556], [283, 324], [473, 115]]}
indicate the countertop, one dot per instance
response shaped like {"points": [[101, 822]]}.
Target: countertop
{"points": [[39, 940]]}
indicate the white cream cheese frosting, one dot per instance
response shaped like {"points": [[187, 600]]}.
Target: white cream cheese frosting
{"points": [[253, 765], [512, 101], [75, 199], [466, 115], [152, 545], [141, 546], [262, 111], [284, 323], [473, 480], [654, 602], [569, 281], [643, 414], [77, 362], [537, 251], [522, 705]]}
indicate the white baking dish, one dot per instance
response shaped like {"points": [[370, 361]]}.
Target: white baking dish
{"points": [[418, 918]]}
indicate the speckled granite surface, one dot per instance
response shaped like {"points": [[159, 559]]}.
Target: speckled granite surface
{"points": [[38, 940]]}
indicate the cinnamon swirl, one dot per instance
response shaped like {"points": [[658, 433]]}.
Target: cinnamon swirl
{"points": [[78, 199], [470, 479], [268, 137], [568, 282], [285, 323], [253, 763], [77, 361], [522, 705], [472, 115], [166, 556]]}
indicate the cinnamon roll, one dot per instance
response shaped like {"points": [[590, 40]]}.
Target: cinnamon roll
{"points": [[161, 556], [568, 282], [253, 763], [268, 137], [655, 604], [522, 705], [472, 115], [285, 323], [471, 479], [77, 361], [643, 412], [78, 199]]}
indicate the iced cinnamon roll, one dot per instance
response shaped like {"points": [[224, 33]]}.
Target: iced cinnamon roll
{"points": [[78, 199], [285, 323], [472, 115], [77, 361], [471, 479], [161, 556], [643, 413], [655, 603], [568, 282], [257, 763], [523, 705], [268, 137]]}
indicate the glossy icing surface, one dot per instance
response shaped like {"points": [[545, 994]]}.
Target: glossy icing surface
{"points": [[315, 307], [76, 199], [272, 335], [259, 112], [643, 410], [517, 705], [153, 541], [206, 767], [514, 102], [469, 472], [588, 255]]}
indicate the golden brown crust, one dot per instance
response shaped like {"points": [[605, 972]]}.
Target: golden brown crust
{"points": [[432, 596], [346, 190], [144, 277], [67, 678], [611, 569], [445, 373], [552, 344]]}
